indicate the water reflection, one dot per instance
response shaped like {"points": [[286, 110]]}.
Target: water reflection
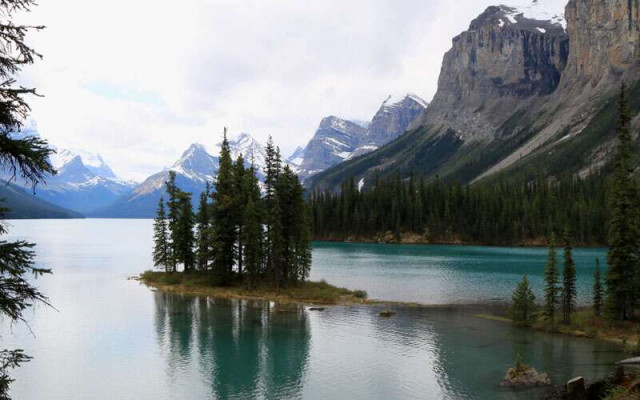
{"points": [[240, 349]]}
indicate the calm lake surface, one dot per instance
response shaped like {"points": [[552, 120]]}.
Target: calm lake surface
{"points": [[112, 338]]}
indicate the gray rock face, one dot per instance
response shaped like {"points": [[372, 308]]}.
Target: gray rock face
{"points": [[337, 140], [333, 143], [499, 65]]}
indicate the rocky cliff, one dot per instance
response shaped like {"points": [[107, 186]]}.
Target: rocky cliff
{"points": [[521, 91]]}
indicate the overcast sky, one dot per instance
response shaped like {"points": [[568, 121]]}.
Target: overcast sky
{"points": [[140, 80]]}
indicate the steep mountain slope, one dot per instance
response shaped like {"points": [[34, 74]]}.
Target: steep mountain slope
{"points": [[25, 204], [513, 90], [337, 140]]}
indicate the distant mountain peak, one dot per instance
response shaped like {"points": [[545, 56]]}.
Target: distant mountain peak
{"points": [[92, 161], [533, 10], [398, 101]]}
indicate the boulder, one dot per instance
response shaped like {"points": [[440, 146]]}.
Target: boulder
{"points": [[576, 389], [524, 376]]}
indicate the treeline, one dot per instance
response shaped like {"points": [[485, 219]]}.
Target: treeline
{"points": [[496, 213], [619, 297], [238, 234]]}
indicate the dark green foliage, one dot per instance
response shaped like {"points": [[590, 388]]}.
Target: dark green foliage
{"points": [[551, 288], [161, 247], [28, 158], [523, 304], [624, 230], [224, 217], [568, 282], [598, 290], [499, 213], [242, 237], [203, 231]]}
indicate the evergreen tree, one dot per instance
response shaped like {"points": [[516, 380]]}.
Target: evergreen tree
{"points": [[252, 232], [203, 231], [273, 214], [523, 304], [161, 248], [624, 232], [551, 281], [27, 158], [598, 291], [173, 206], [568, 282], [240, 203], [184, 232], [224, 240]]}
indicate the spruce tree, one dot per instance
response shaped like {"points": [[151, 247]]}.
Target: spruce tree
{"points": [[598, 291], [273, 214], [239, 204], [252, 231], [551, 281], [27, 158], [624, 232], [568, 282], [173, 206], [523, 304], [224, 230], [184, 232], [161, 247], [203, 231]]}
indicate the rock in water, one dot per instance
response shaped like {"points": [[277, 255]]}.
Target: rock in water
{"points": [[524, 376], [576, 389]]}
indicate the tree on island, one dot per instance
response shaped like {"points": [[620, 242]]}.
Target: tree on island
{"points": [[523, 304], [568, 281], [624, 229], [598, 291], [161, 247], [27, 158], [245, 238], [551, 281]]}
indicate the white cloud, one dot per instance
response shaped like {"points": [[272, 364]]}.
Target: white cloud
{"points": [[138, 81]]}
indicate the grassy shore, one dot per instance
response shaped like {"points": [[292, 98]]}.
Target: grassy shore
{"points": [[306, 292], [585, 323]]}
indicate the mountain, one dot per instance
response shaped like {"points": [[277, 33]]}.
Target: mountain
{"points": [[337, 140], [84, 182], [519, 94], [23, 203], [296, 158], [195, 167]]}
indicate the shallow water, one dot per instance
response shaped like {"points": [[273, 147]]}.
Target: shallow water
{"points": [[110, 338]]}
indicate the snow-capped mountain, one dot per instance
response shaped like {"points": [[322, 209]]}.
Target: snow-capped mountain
{"points": [[92, 161], [296, 158], [195, 167], [338, 140]]}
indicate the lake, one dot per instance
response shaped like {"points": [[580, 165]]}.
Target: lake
{"points": [[113, 338]]}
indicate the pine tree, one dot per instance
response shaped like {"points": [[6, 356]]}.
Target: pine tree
{"points": [[173, 206], [598, 291], [568, 282], [161, 248], [551, 281], [624, 232], [239, 205], [523, 304], [184, 232], [252, 232], [27, 158], [203, 231], [273, 214], [224, 240]]}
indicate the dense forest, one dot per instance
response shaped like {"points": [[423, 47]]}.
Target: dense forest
{"points": [[240, 233], [498, 213]]}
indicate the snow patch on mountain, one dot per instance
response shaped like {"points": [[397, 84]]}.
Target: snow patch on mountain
{"points": [[540, 10]]}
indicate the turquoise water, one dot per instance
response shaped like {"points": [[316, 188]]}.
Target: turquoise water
{"points": [[112, 338], [444, 274]]}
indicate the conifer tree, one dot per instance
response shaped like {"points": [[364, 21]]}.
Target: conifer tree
{"points": [[224, 240], [568, 282], [624, 229], [598, 291], [161, 248], [273, 214], [184, 232], [240, 203], [27, 158], [551, 281], [173, 206], [203, 231], [252, 232], [523, 304]]}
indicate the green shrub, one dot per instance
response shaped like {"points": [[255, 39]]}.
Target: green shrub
{"points": [[360, 294]]}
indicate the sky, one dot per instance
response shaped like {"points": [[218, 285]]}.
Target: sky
{"points": [[138, 81]]}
